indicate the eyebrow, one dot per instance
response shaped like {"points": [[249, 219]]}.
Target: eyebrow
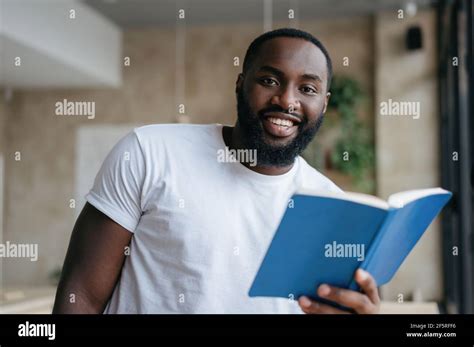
{"points": [[278, 72]]}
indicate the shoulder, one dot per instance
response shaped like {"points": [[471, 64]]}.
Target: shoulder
{"points": [[172, 131], [176, 137], [176, 142], [315, 180]]}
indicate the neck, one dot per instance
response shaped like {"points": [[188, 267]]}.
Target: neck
{"points": [[233, 140]]}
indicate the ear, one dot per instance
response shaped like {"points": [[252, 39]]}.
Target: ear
{"points": [[326, 102], [239, 82]]}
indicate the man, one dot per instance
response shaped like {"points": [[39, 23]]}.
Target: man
{"points": [[169, 228]]}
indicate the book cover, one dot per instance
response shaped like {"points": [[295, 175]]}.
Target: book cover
{"points": [[325, 237]]}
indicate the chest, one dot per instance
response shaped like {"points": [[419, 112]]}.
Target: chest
{"points": [[212, 219]]}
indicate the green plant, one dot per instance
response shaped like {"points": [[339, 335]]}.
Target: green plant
{"points": [[354, 150], [55, 275]]}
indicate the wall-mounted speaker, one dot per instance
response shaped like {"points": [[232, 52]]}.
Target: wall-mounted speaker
{"points": [[414, 38]]}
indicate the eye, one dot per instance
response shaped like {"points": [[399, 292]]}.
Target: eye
{"points": [[269, 81], [308, 90]]}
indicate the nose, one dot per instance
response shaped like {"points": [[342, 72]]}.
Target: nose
{"points": [[287, 100]]}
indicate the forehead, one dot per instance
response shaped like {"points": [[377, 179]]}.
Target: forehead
{"points": [[292, 56]]}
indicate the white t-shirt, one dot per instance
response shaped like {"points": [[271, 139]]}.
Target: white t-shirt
{"points": [[201, 227]]}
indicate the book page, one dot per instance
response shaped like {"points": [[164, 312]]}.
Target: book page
{"points": [[360, 198], [398, 200]]}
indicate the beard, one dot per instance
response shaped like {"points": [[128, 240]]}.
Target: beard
{"points": [[253, 135]]}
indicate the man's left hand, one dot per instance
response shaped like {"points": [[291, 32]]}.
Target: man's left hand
{"points": [[366, 302]]}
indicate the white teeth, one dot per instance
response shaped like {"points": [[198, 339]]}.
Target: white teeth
{"points": [[282, 122]]}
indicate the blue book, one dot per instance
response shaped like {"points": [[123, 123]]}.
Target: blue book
{"points": [[325, 237]]}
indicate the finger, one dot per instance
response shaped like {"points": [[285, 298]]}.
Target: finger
{"points": [[345, 297], [313, 307], [368, 285]]}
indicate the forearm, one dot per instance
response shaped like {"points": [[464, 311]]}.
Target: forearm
{"points": [[72, 299]]}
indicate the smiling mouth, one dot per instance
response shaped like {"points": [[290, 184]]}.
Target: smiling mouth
{"points": [[281, 122], [280, 125]]}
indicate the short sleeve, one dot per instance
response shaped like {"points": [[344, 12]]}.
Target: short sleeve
{"points": [[118, 185], [334, 188]]}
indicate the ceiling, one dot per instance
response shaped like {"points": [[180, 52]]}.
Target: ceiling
{"points": [[42, 48], [144, 13]]}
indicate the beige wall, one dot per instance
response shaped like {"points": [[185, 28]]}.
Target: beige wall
{"points": [[3, 119], [3, 115], [408, 149], [40, 186]]}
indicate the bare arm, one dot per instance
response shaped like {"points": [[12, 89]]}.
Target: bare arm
{"points": [[93, 263]]}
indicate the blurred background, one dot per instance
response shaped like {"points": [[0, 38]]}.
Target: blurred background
{"points": [[142, 61]]}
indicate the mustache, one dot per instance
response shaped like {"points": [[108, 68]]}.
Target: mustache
{"points": [[276, 108]]}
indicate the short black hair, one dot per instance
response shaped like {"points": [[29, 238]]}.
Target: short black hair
{"points": [[286, 32]]}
